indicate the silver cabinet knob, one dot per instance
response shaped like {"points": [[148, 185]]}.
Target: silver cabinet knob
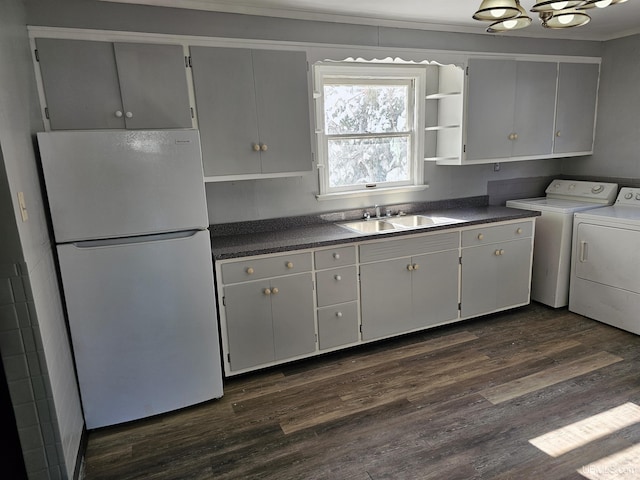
{"points": [[339, 314], [336, 256], [275, 290], [338, 278], [128, 115], [118, 114], [267, 291]]}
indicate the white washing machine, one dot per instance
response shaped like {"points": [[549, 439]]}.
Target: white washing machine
{"points": [[605, 270], [552, 242]]}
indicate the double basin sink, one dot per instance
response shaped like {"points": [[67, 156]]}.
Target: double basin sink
{"points": [[394, 224]]}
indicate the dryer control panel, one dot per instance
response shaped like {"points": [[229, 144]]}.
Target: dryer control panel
{"points": [[629, 196]]}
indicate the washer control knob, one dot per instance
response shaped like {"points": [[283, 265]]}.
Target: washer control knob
{"points": [[637, 196], [628, 196], [597, 189]]}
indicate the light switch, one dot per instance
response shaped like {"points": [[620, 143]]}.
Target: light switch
{"points": [[23, 207]]}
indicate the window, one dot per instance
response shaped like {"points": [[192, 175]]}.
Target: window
{"points": [[368, 118]]}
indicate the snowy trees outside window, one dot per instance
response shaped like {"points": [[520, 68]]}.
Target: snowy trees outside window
{"points": [[369, 119]]}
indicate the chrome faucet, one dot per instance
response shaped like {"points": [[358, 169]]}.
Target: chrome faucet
{"points": [[377, 207]]}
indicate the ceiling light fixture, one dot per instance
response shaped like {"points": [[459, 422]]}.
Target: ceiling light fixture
{"points": [[492, 10], [554, 14]]}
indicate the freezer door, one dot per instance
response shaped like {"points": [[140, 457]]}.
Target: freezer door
{"points": [[105, 184], [143, 325]]}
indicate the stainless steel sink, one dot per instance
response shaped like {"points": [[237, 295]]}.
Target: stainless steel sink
{"points": [[413, 221], [397, 223], [368, 226]]}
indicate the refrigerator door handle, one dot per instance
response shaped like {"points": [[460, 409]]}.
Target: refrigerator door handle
{"points": [[110, 242]]}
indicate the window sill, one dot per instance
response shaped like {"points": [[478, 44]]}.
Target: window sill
{"points": [[368, 193]]}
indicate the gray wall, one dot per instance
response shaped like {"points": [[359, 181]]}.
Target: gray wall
{"points": [[33, 339], [617, 145], [255, 199]]}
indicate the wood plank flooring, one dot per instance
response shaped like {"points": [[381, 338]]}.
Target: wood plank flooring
{"points": [[457, 402]]}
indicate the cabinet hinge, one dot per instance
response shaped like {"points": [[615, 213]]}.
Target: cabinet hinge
{"points": [[229, 357], [224, 301], [187, 62], [46, 112], [467, 70], [360, 328], [460, 260], [464, 148], [307, 66], [193, 115], [460, 306], [37, 55]]}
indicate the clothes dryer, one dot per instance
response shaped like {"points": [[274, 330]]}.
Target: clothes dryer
{"points": [[605, 272]]}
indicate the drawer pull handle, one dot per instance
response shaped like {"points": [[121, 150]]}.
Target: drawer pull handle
{"points": [[267, 291], [289, 265], [338, 278], [519, 231], [250, 271], [336, 256], [480, 236], [339, 314], [275, 290]]}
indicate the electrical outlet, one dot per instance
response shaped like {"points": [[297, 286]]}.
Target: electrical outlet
{"points": [[23, 207]]}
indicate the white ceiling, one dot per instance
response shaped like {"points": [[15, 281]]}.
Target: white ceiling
{"points": [[447, 15]]}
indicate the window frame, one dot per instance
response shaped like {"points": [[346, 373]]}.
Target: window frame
{"points": [[377, 73]]}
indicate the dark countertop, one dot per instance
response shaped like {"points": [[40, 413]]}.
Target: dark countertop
{"points": [[237, 240]]}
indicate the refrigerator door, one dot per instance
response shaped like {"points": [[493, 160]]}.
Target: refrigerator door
{"points": [[143, 324], [106, 184]]}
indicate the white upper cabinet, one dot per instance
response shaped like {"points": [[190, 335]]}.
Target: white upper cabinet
{"points": [[576, 109], [253, 111], [510, 109], [104, 85]]}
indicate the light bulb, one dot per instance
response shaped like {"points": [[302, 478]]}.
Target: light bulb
{"points": [[565, 19], [509, 23], [603, 3], [498, 12], [559, 5]]}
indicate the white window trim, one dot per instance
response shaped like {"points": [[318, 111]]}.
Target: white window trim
{"points": [[416, 73]]}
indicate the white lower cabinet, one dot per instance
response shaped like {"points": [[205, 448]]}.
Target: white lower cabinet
{"points": [[285, 306], [412, 292], [496, 268]]}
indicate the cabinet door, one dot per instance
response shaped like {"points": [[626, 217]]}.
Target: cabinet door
{"points": [[153, 84], [385, 292], [435, 288], [249, 324], [575, 115], [534, 108], [495, 277], [80, 83], [226, 105], [293, 316], [282, 96], [491, 94]]}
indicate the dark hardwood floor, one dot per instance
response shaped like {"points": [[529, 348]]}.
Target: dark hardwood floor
{"points": [[457, 402]]}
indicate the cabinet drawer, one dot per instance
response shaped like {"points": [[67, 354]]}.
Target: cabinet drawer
{"points": [[249, 269], [336, 286], [496, 233], [405, 247], [338, 325], [335, 257]]}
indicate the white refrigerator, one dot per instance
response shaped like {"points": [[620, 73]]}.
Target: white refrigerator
{"points": [[130, 223]]}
